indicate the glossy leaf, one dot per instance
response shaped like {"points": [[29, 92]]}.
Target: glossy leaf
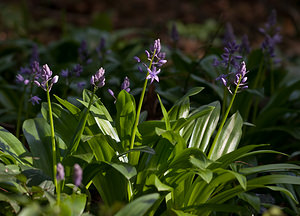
{"points": [[229, 137], [139, 206]]}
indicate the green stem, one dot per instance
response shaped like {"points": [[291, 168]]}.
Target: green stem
{"points": [[212, 149], [140, 106], [20, 113], [54, 154]]}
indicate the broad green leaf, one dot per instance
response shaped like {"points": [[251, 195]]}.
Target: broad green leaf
{"points": [[110, 179], [204, 127], [65, 126], [182, 107], [269, 168], [12, 146], [182, 122], [253, 200], [38, 135], [182, 213], [229, 137], [76, 203], [230, 157], [259, 182], [126, 114], [154, 180], [139, 206], [72, 108], [204, 208]]}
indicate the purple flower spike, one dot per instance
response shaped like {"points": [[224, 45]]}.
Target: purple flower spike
{"points": [[241, 74], [77, 176], [245, 46], [65, 73], [46, 73], [98, 80], [223, 79], [174, 33], [77, 70], [19, 78], [35, 100], [60, 172], [112, 94], [153, 74], [125, 85], [137, 59]]}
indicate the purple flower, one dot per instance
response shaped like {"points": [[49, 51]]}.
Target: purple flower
{"points": [[223, 79], [272, 36], [34, 100], [46, 76], [245, 46], [137, 59], [65, 73], [174, 33], [125, 85], [60, 172], [83, 52], [77, 175], [80, 85], [19, 78], [100, 49], [98, 80], [153, 74], [77, 70], [229, 59], [34, 54], [25, 70], [241, 74], [229, 36], [112, 94]]}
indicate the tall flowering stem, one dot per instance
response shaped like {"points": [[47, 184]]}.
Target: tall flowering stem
{"points": [[140, 104], [54, 154], [225, 117], [240, 81]]}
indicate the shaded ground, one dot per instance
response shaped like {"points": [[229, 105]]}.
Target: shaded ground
{"points": [[46, 21]]}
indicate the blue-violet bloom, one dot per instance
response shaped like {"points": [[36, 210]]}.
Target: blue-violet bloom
{"points": [[98, 80], [60, 172], [153, 74], [126, 84], [77, 175], [35, 100]]}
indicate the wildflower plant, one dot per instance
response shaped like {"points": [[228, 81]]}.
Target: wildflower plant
{"points": [[156, 59]]}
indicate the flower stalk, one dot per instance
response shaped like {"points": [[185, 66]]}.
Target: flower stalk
{"points": [[140, 104], [54, 154], [225, 118]]}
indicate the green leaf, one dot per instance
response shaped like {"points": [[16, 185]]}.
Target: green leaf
{"points": [[38, 135], [110, 179], [12, 146], [165, 114], [253, 200], [269, 168], [182, 107], [139, 206], [126, 114], [182, 122], [72, 108], [229, 137], [75, 203], [204, 127]]}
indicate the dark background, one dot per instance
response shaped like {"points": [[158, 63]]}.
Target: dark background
{"points": [[47, 20]]}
